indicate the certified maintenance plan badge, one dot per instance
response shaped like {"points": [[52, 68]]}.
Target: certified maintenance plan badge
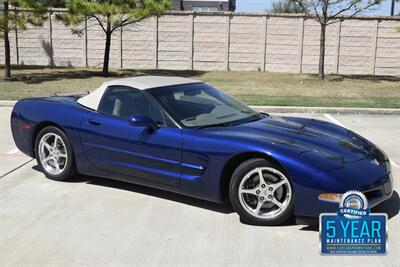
{"points": [[353, 229]]}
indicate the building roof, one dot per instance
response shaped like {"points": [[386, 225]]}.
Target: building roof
{"points": [[92, 100]]}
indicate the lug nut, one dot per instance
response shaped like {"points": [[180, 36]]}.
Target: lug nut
{"points": [[258, 191], [270, 189], [261, 198], [263, 186], [270, 196]]}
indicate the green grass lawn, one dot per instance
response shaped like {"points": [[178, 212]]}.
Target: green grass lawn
{"points": [[255, 88]]}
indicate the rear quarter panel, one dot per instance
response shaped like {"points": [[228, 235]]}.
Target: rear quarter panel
{"points": [[64, 113]]}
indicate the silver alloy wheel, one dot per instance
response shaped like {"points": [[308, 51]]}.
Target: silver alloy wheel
{"points": [[53, 153], [265, 193]]}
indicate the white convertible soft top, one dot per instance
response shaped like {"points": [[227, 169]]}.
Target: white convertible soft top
{"points": [[92, 100]]}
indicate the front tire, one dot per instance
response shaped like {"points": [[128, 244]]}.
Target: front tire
{"points": [[261, 193], [54, 154]]}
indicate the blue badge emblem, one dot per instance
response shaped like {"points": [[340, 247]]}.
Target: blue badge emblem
{"points": [[353, 205], [353, 229]]}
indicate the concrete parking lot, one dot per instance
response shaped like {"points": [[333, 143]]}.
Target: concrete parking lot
{"points": [[93, 221]]}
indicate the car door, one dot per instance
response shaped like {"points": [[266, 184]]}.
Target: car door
{"points": [[112, 144]]}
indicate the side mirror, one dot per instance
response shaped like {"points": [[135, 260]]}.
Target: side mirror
{"points": [[142, 120]]}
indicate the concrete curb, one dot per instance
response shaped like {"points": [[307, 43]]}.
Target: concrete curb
{"points": [[7, 103], [280, 109]]}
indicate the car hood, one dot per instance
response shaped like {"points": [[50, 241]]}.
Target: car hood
{"points": [[309, 137]]}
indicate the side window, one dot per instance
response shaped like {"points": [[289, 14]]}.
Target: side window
{"points": [[124, 102]]}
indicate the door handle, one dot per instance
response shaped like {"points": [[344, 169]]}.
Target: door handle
{"points": [[94, 122]]}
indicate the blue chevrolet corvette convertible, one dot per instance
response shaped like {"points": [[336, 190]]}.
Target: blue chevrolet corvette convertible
{"points": [[185, 136]]}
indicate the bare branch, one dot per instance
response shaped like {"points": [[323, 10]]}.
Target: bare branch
{"points": [[362, 9], [126, 22], [357, 11], [120, 24], [317, 14], [341, 11], [304, 7], [99, 21], [131, 22]]}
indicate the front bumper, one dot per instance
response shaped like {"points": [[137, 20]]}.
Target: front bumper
{"points": [[371, 175], [376, 190], [379, 194]]}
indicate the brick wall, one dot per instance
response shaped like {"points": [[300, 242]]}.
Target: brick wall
{"points": [[220, 41]]}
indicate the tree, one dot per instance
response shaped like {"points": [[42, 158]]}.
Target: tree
{"points": [[16, 14], [286, 6], [111, 15], [327, 12], [392, 7], [54, 3]]}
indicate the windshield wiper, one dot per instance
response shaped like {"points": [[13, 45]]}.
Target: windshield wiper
{"points": [[214, 125], [233, 123]]}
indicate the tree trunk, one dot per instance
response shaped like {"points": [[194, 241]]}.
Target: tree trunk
{"points": [[7, 56], [392, 8], [321, 68], [107, 53]]}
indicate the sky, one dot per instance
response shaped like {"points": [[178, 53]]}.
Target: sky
{"points": [[262, 5]]}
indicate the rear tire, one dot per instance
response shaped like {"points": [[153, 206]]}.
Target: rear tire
{"points": [[54, 154], [266, 201]]}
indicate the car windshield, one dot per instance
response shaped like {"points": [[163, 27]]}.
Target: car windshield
{"points": [[199, 105]]}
